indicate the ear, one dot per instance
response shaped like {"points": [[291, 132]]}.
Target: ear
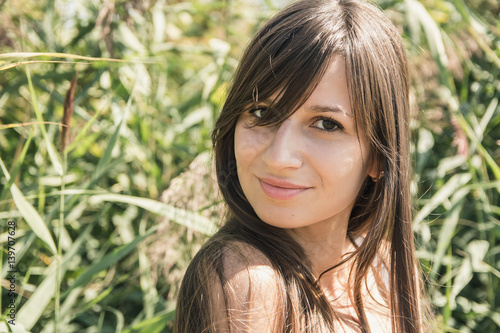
{"points": [[375, 171]]}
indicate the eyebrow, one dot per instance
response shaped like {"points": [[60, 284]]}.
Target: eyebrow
{"points": [[326, 108]]}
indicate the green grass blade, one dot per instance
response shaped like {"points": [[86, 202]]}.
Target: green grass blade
{"points": [[485, 120], [15, 64], [447, 231], [5, 328], [17, 165], [18, 55], [463, 10], [31, 311], [29, 213], [154, 325], [434, 39], [446, 191], [475, 252], [53, 155], [106, 157], [84, 130], [108, 260], [495, 168], [147, 282], [120, 319], [32, 218], [180, 216]]}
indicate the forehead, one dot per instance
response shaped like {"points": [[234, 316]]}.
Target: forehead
{"points": [[332, 90]]}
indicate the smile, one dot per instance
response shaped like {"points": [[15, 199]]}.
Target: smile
{"points": [[279, 189]]}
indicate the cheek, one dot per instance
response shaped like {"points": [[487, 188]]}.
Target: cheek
{"points": [[341, 165], [248, 143]]}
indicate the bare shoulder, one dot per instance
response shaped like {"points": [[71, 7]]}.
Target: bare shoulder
{"points": [[247, 297], [249, 274], [243, 261]]}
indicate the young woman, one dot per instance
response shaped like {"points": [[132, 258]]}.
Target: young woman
{"points": [[312, 157]]}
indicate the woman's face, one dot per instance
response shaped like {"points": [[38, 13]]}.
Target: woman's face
{"points": [[310, 168]]}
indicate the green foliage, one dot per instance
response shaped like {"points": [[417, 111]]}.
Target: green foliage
{"points": [[152, 76], [457, 179]]}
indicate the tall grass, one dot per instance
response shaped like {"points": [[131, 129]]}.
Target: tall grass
{"points": [[96, 248], [83, 186], [457, 179]]}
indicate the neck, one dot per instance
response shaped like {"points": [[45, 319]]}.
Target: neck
{"points": [[325, 243]]}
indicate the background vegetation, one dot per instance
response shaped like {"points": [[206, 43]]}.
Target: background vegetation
{"points": [[109, 208]]}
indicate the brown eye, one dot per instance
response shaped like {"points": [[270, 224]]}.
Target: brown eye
{"points": [[328, 125], [258, 112]]}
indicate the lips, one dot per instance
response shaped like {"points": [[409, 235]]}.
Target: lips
{"points": [[280, 189]]}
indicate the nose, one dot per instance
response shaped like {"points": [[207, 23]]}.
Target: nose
{"points": [[283, 150]]}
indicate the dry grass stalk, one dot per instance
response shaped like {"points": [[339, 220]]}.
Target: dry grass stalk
{"points": [[68, 113]]}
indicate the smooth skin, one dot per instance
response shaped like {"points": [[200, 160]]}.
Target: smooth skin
{"points": [[305, 174]]}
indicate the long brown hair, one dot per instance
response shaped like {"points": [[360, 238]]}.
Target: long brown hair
{"points": [[288, 57]]}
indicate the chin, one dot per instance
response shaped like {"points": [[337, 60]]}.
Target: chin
{"points": [[280, 220]]}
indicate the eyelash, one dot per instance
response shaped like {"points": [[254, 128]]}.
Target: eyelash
{"points": [[337, 125], [252, 111]]}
